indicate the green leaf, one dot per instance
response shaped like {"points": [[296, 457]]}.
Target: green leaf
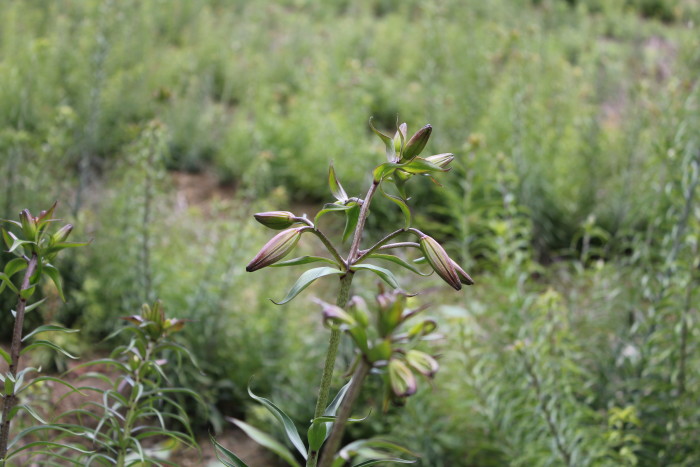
{"points": [[12, 241], [6, 281], [28, 292], [399, 261], [388, 142], [35, 305], [396, 460], [266, 441], [55, 276], [303, 260], [289, 427], [29, 410], [384, 170], [305, 280], [336, 187], [5, 355], [47, 328], [421, 166], [402, 205], [48, 344], [386, 275], [352, 216], [14, 266], [331, 207], [317, 434]]}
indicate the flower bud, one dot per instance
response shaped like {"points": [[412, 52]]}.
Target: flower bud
{"points": [[334, 316], [28, 224], [441, 160], [61, 234], [402, 381], [422, 363], [276, 249], [440, 262], [403, 128], [464, 278], [277, 220], [417, 143]]}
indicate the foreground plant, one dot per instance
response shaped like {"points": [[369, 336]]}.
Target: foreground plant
{"points": [[35, 249], [378, 346]]}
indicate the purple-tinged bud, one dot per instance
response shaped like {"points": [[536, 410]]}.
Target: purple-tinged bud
{"points": [[402, 381], [62, 234], [464, 278], [441, 160], [28, 224], [277, 220], [416, 144], [422, 363], [276, 249], [334, 316], [441, 263]]}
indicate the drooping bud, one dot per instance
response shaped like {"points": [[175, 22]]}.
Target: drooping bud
{"points": [[277, 220], [422, 363], [276, 249], [61, 234], [334, 316], [28, 224], [441, 263], [441, 160], [464, 278], [417, 143], [402, 381]]}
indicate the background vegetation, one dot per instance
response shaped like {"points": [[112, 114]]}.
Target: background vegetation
{"points": [[162, 126]]}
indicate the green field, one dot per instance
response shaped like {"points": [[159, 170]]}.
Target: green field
{"points": [[160, 127]]}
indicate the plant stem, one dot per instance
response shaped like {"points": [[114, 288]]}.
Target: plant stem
{"points": [[11, 399], [355, 247], [363, 254], [333, 441], [329, 246]]}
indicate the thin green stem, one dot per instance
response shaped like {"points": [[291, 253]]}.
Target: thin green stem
{"points": [[365, 253], [329, 246], [355, 247]]}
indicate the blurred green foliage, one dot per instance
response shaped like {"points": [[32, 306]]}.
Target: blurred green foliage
{"points": [[573, 198]]}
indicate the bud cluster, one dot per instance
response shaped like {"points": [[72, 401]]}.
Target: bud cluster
{"points": [[153, 321]]}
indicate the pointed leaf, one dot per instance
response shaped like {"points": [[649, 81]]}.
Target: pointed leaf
{"points": [[287, 423], [303, 260], [5, 356], [6, 281], [305, 280], [396, 460], [48, 328], [402, 205], [317, 434], [384, 170], [231, 459], [352, 216], [336, 187], [35, 305], [421, 166], [388, 142], [14, 266], [55, 276], [399, 261], [50, 345], [386, 275], [12, 241], [331, 207], [266, 441]]}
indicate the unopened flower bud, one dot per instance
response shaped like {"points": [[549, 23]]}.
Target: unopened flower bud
{"points": [[441, 160], [62, 234], [464, 278], [28, 224], [276, 249], [422, 362], [441, 263], [403, 128], [277, 220], [402, 381], [417, 143], [334, 316]]}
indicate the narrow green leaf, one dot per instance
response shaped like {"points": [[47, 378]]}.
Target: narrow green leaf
{"points": [[388, 142], [27, 408], [331, 207], [55, 380], [384, 170], [28, 292], [399, 261], [48, 344], [287, 423], [14, 266], [5, 355], [6, 281], [47, 328], [35, 305], [352, 216], [421, 166], [402, 205], [386, 275], [266, 441], [336, 187], [305, 280], [55, 276], [12, 241], [303, 260], [396, 460], [317, 434]]}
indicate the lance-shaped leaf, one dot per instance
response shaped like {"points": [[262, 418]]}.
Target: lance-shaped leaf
{"points": [[303, 260], [266, 441], [305, 280], [384, 170], [14, 266], [48, 328], [396, 260], [395, 460], [420, 166], [388, 142], [335, 186], [352, 216], [402, 205], [226, 457], [386, 275], [287, 423], [400, 138], [55, 276], [332, 207]]}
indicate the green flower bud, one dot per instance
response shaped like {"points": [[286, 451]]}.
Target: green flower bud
{"points": [[28, 224], [441, 160], [403, 128], [402, 381], [464, 278], [61, 234], [277, 220], [416, 144], [422, 363], [277, 248], [334, 316], [440, 262]]}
